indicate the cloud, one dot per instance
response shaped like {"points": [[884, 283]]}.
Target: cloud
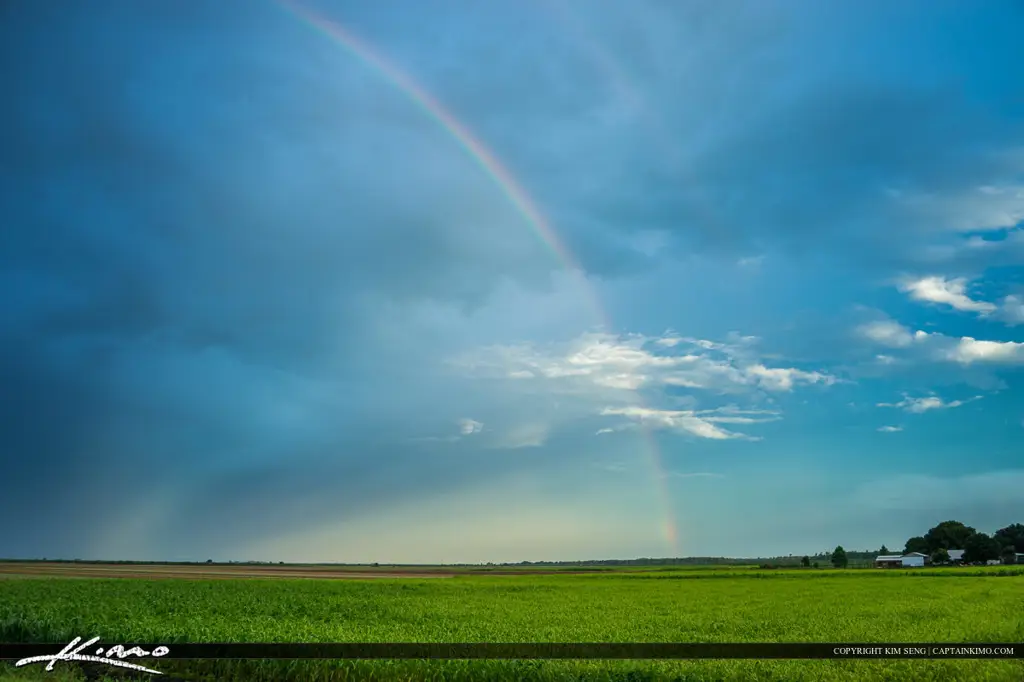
{"points": [[924, 404], [938, 347], [890, 429], [530, 435], [951, 292], [468, 427], [232, 245], [784, 379], [632, 362], [697, 423], [887, 333], [1012, 310], [969, 351], [984, 208]]}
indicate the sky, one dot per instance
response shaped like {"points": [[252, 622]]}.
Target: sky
{"points": [[447, 281]]}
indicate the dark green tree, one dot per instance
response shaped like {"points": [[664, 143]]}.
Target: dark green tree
{"points": [[839, 559], [1009, 556], [981, 547], [806, 562], [1012, 536], [917, 544], [884, 550], [940, 556], [948, 535]]}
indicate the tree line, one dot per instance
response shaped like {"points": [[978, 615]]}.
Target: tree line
{"points": [[1004, 544]]}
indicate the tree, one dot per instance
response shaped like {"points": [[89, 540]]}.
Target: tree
{"points": [[917, 544], [981, 547], [814, 565], [940, 556], [1011, 536], [948, 535], [884, 550], [1009, 556], [806, 562], [839, 559]]}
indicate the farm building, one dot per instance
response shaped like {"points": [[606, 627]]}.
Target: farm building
{"points": [[1017, 558], [914, 559], [897, 561]]}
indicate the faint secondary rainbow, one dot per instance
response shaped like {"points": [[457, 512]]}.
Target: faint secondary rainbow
{"points": [[503, 179]]}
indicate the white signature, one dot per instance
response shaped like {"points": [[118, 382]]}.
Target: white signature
{"points": [[70, 653]]}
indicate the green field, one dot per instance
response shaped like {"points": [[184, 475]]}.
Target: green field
{"points": [[725, 604]]}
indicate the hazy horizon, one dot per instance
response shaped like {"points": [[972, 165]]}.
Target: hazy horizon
{"points": [[446, 282]]}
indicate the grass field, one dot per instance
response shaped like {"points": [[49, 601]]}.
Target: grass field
{"points": [[721, 604]]}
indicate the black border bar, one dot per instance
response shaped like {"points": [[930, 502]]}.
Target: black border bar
{"points": [[524, 651]]}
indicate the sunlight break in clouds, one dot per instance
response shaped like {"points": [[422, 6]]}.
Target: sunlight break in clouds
{"points": [[890, 429], [468, 427]]}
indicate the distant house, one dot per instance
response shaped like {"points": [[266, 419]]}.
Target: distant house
{"points": [[956, 555], [910, 559], [1017, 558]]}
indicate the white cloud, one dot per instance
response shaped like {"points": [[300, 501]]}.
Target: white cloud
{"points": [[529, 435], [981, 208], [603, 374], [887, 333], [1012, 310], [628, 363], [969, 350], [697, 423], [783, 379], [964, 350], [922, 405], [890, 429], [951, 292], [468, 427]]}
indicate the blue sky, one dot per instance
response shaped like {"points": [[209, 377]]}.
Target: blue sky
{"points": [[258, 304]]}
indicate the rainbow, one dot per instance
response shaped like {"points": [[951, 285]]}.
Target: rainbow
{"points": [[505, 182]]}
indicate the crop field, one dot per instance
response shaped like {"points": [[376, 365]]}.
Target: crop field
{"points": [[721, 604]]}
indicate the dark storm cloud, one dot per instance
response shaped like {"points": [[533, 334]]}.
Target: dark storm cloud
{"points": [[215, 223]]}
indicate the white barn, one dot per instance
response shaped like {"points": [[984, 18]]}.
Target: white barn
{"points": [[911, 559], [888, 560], [914, 559]]}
